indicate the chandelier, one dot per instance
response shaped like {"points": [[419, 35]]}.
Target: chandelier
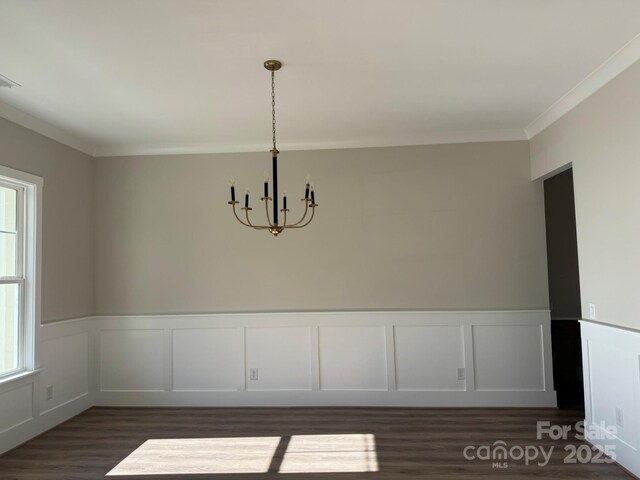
{"points": [[274, 226]]}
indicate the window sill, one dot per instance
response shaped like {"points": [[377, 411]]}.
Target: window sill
{"points": [[15, 380]]}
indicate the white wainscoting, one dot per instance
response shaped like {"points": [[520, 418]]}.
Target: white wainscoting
{"points": [[498, 358], [435, 359], [611, 366], [65, 358], [352, 358]]}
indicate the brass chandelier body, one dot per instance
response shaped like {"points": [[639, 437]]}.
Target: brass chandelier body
{"points": [[274, 226]]}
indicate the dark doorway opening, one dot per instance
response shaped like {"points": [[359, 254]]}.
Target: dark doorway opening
{"points": [[564, 289]]}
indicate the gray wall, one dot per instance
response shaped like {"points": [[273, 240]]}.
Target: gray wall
{"points": [[601, 139], [431, 227], [67, 230]]}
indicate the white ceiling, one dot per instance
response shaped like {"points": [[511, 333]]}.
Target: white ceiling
{"points": [[116, 77]]}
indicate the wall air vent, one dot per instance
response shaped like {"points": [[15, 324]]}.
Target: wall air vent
{"points": [[7, 82]]}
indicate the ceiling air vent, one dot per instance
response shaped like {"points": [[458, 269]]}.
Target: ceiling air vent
{"points": [[7, 82]]}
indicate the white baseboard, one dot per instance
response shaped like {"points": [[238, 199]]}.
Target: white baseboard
{"points": [[329, 399]]}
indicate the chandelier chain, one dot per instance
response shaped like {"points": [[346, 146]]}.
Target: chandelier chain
{"points": [[273, 108]]}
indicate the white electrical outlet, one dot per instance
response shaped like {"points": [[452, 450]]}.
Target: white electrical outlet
{"points": [[49, 392], [619, 418], [592, 311], [253, 374], [461, 374]]}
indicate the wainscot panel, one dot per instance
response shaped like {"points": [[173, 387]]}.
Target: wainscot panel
{"points": [[208, 359], [508, 357], [611, 368], [17, 407], [428, 357], [278, 358], [352, 358], [132, 360]]}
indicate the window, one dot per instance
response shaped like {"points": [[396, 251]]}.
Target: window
{"points": [[19, 286]]}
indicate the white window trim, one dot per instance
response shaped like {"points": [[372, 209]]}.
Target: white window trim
{"points": [[32, 230]]}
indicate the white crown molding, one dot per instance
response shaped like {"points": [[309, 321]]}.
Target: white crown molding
{"points": [[607, 71], [426, 139], [59, 135], [45, 128]]}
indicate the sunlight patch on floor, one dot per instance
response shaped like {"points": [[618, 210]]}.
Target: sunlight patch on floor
{"points": [[180, 456], [330, 454]]}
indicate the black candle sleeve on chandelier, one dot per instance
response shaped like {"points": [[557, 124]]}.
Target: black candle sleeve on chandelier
{"points": [[306, 191], [233, 193], [275, 189]]}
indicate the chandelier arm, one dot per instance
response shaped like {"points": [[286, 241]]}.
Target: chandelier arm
{"points": [[248, 223], [306, 209], [313, 211], [257, 227], [304, 215], [238, 218]]}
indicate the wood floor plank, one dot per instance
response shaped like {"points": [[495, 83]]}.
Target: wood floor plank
{"points": [[397, 443]]}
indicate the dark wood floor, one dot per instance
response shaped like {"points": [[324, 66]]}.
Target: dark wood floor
{"points": [[410, 443]]}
